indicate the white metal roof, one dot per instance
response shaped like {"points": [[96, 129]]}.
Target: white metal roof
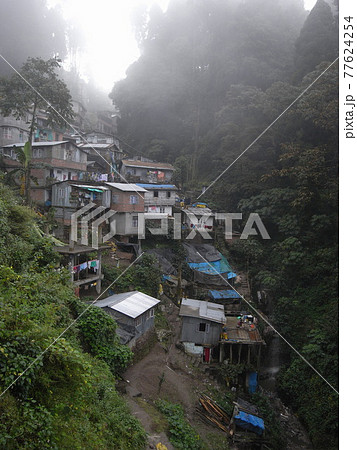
{"points": [[86, 186], [202, 310], [126, 187], [38, 144], [132, 304], [199, 211], [90, 145]]}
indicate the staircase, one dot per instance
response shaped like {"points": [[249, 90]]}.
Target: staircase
{"points": [[244, 288]]}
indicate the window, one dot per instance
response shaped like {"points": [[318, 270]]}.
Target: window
{"points": [[134, 221], [156, 193], [152, 312], [162, 209], [168, 194], [133, 199], [203, 327], [7, 133], [21, 136], [9, 153], [138, 321], [37, 153]]}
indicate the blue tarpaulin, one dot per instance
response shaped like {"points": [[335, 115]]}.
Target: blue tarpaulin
{"points": [[249, 422], [156, 186], [252, 382], [213, 267], [227, 293]]}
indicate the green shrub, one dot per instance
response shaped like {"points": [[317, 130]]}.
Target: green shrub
{"points": [[182, 435]]}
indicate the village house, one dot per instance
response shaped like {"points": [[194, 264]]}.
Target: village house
{"points": [[59, 161], [13, 130], [134, 313], [104, 122], [103, 159], [146, 171], [99, 137], [241, 341], [69, 196], [84, 267], [159, 198], [46, 132], [128, 201], [201, 328], [198, 217]]}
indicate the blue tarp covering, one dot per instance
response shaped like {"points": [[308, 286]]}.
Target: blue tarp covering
{"points": [[252, 382], [227, 293], [249, 422], [156, 186], [211, 268]]}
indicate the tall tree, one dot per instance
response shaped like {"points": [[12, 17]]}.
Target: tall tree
{"points": [[29, 27], [37, 87], [318, 40]]}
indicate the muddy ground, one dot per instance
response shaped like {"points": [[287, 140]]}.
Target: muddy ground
{"points": [[183, 381]]}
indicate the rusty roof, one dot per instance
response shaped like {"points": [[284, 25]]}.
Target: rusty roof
{"points": [[242, 335]]}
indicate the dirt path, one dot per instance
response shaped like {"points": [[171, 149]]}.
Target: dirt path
{"points": [[181, 384]]}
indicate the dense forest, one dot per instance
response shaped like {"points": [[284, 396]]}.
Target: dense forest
{"points": [[212, 76]]}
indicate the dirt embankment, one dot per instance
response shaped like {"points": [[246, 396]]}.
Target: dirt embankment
{"points": [[167, 373]]}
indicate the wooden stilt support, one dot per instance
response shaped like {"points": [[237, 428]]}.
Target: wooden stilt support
{"points": [[221, 353]]}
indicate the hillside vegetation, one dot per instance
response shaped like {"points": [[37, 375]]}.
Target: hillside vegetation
{"points": [[212, 76], [66, 397]]}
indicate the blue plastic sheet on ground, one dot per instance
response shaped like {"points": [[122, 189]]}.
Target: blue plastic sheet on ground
{"points": [[249, 422], [227, 293]]}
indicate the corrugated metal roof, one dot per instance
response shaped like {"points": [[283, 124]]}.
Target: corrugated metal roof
{"points": [[90, 145], [38, 144], [227, 293], [199, 211], [132, 304], [156, 186], [202, 310], [148, 165], [126, 187], [85, 186], [244, 334]]}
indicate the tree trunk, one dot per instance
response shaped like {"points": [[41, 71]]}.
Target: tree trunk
{"points": [[28, 162]]}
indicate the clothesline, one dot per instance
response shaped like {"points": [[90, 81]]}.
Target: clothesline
{"points": [[93, 264]]}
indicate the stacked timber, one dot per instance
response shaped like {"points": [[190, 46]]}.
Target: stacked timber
{"points": [[213, 413]]}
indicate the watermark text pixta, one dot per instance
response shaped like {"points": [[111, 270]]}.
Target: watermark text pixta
{"points": [[179, 225]]}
